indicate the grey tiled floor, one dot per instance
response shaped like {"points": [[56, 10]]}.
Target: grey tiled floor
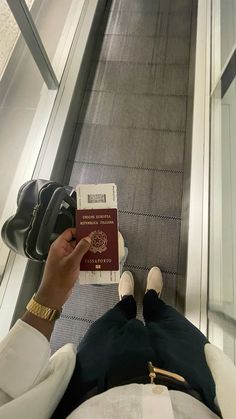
{"points": [[132, 124], [156, 79], [139, 190], [160, 150], [131, 131]]}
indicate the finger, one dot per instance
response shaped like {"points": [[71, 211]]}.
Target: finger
{"points": [[73, 243], [68, 234], [79, 251]]}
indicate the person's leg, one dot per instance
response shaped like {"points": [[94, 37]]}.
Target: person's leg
{"points": [[94, 351], [117, 317], [113, 319], [178, 345], [156, 310]]}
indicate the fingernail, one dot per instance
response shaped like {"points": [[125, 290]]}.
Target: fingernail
{"points": [[88, 239]]}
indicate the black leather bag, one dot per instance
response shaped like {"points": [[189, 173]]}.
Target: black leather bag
{"points": [[44, 210]]}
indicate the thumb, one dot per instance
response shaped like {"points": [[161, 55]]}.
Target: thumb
{"points": [[81, 248]]}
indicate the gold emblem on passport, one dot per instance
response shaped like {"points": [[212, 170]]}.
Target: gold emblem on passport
{"points": [[99, 242]]}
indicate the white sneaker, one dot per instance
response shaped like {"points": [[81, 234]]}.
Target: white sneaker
{"points": [[154, 280], [126, 284]]}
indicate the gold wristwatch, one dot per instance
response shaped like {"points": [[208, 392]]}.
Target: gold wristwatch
{"points": [[41, 311]]}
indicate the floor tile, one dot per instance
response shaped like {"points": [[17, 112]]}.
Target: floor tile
{"points": [[83, 292], [168, 113], [169, 289], [162, 80], [157, 112], [141, 6], [149, 79], [179, 25], [97, 108], [77, 318], [162, 25], [159, 50], [168, 79], [151, 241], [177, 51], [105, 76], [130, 147], [180, 6], [141, 191], [137, 24], [175, 80], [135, 78], [131, 111], [164, 6], [126, 48], [123, 77]]}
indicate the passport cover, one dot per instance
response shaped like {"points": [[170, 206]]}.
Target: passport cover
{"points": [[102, 226]]}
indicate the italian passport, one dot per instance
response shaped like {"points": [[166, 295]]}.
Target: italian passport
{"points": [[96, 216], [101, 226]]}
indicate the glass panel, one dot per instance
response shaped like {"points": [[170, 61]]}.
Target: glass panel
{"points": [[20, 87], [215, 334], [223, 203], [228, 28], [9, 33], [229, 345], [56, 22], [25, 102], [223, 35]]}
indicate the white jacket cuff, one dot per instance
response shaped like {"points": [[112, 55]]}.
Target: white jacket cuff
{"points": [[24, 359], [224, 374]]}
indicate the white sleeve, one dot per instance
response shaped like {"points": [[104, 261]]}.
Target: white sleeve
{"points": [[224, 374], [24, 359]]}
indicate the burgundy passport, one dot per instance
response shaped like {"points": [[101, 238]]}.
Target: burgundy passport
{"points": [[102, 226]]}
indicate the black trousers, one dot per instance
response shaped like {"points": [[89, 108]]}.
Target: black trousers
{"points": [[117, 347]]}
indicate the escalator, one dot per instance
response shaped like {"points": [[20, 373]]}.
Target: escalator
{"points": [[132, 130]]}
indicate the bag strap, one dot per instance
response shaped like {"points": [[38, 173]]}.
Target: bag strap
{"points": [[50, 217]]}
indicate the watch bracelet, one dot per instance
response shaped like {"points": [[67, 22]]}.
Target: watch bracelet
{"points": [[42, 311]]}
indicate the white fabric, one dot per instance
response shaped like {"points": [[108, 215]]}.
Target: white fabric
{"points": [[16, 358], [224, 374], [136, 401], [155, 401], [131, 401], [186, 407], [37, 383]]}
